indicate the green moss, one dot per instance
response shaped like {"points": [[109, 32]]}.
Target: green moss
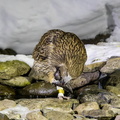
{"points": [[13, 68]]}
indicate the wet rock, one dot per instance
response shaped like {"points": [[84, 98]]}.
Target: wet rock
{"points": [[55, 115], [13, 68], [6, 92], [114, 79], [17, 81], [87, 106], [114, 89], [40, 89], [7, 51], [3, 117], [93, 93], [36, 115], [98, 38], [111, 65], [4, 104], [41, 104], [93, 67], [84, 79], [99, 114]]}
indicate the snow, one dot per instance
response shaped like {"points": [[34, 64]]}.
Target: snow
{"points": [[23, 22], [25, 58], [95, 53], [102, 52], [17, 110]]}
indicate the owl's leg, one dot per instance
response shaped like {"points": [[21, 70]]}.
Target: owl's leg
{"points": [[61, 93]]}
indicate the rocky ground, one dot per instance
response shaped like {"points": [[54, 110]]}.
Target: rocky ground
{"points": [[96, 94]]}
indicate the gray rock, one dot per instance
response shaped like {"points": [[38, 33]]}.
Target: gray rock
{"points": [[17, 81], [99, 114], [115, 109], [111, 65], [114, 89], [3, 117], [7, 51], [6, 92], [81, 117], [4, 104], [40, 89], [36, 115], [93, 93], [55, 115], [114, 79], [93, 67], [87, 106], [13, 68], [84, 79], [49, 103]]}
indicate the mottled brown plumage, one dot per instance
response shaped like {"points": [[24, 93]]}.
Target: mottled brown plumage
{"points": [[59, 56]]}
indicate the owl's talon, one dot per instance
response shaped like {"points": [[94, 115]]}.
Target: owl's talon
{"points": [[63, 97], [61, 94]]}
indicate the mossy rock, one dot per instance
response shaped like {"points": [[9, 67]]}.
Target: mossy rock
{"points": [[55, 115], [114, 79], [92, 93], [42, 89], [18, 81], [13, 68], [3, 117], [6, 92]]}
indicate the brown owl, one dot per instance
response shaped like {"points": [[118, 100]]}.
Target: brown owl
{"points": [[59, 57]]}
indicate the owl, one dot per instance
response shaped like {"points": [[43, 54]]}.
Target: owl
{"points": [[58, 58]]}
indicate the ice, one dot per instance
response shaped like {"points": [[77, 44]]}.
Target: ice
{"points": [[22, 23], [17, 110]]}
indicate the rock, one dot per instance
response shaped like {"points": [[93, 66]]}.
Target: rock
{"points": [[8, 51], [14, 116], [84, 79], [116, 110], [4, 104], [111, 65], [36, 115], [114, 89], [3, 117], [55, 115], [99, 114], [41, 104], [114, 79], [94, 67], [80, 117], [17, 81], [98, 38], [40, 89], [6, 92], [117, 117], [13, 68], [87, 106], [93, 93]]}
